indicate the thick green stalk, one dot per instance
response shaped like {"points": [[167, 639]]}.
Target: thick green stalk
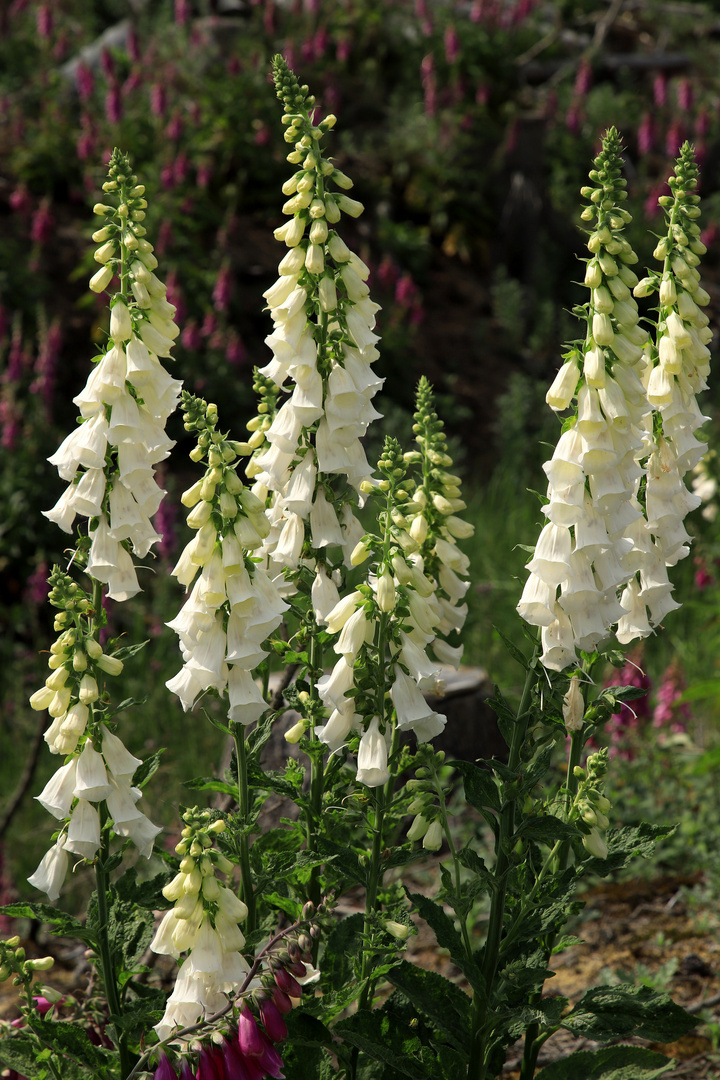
{"points": [[478, 1044], [453, 853], [248, 893], [317, 771], [112, 995], [560, 855]]}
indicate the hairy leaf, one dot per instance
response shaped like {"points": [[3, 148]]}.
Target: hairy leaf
{"points": [[611, 1063], [446, 1006], [610, 1012]]}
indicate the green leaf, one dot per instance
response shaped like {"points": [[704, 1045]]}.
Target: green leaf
{"points": [[211, 783], [472, 861], [68, 1038], [401, 856], [707, 688], [63, 924], [380, 1035], [611, 1012], [291, 907], [344, 858], [453, 1066], [146, 894], [546, 829], [216, 723], [143, 1012], [707, 763], [341, 950], [22, 1053], [447, 1007], [611, 1063], [126, 704], [147, 769], [513, 649], [480, 787], [448, 938], [624, 844], [130, 650]]}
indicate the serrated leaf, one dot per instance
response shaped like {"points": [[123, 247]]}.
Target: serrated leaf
{"points": [[341, 949], [143, 1012], [345, 859], [610, 1012], [401, 856], [146, 894], [447, 1007], [378, 1034], [19, 1052], [448, 938], [453, 1066], [480, 787], [63, 924], [472, 861], [610, 1063], [628, 842], [546, 829], [68, 1038]]}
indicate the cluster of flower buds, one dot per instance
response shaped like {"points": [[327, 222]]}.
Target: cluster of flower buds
{"points": [[432, 523], [427, 823], [590, 806], [233, 605], [204, 923], [108, 459], [14, 965], [98, 768]]}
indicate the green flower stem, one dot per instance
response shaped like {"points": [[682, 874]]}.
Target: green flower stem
{"points": [[248, 893], [558, 859], [453, 852], [317, 767], [112, 995], [491, 952]]}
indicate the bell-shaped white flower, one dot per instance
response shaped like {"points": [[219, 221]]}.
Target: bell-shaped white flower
{"points": [[58, 794], [53, 868], [372, 759], [83, 837], [91, 780]]}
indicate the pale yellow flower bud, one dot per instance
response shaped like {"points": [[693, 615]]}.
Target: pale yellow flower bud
{"points": [[574, 705], [109, 664], [101, 279]]}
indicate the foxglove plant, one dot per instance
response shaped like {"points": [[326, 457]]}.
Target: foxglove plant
{"points": [[108, 462], [595, 538]]}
